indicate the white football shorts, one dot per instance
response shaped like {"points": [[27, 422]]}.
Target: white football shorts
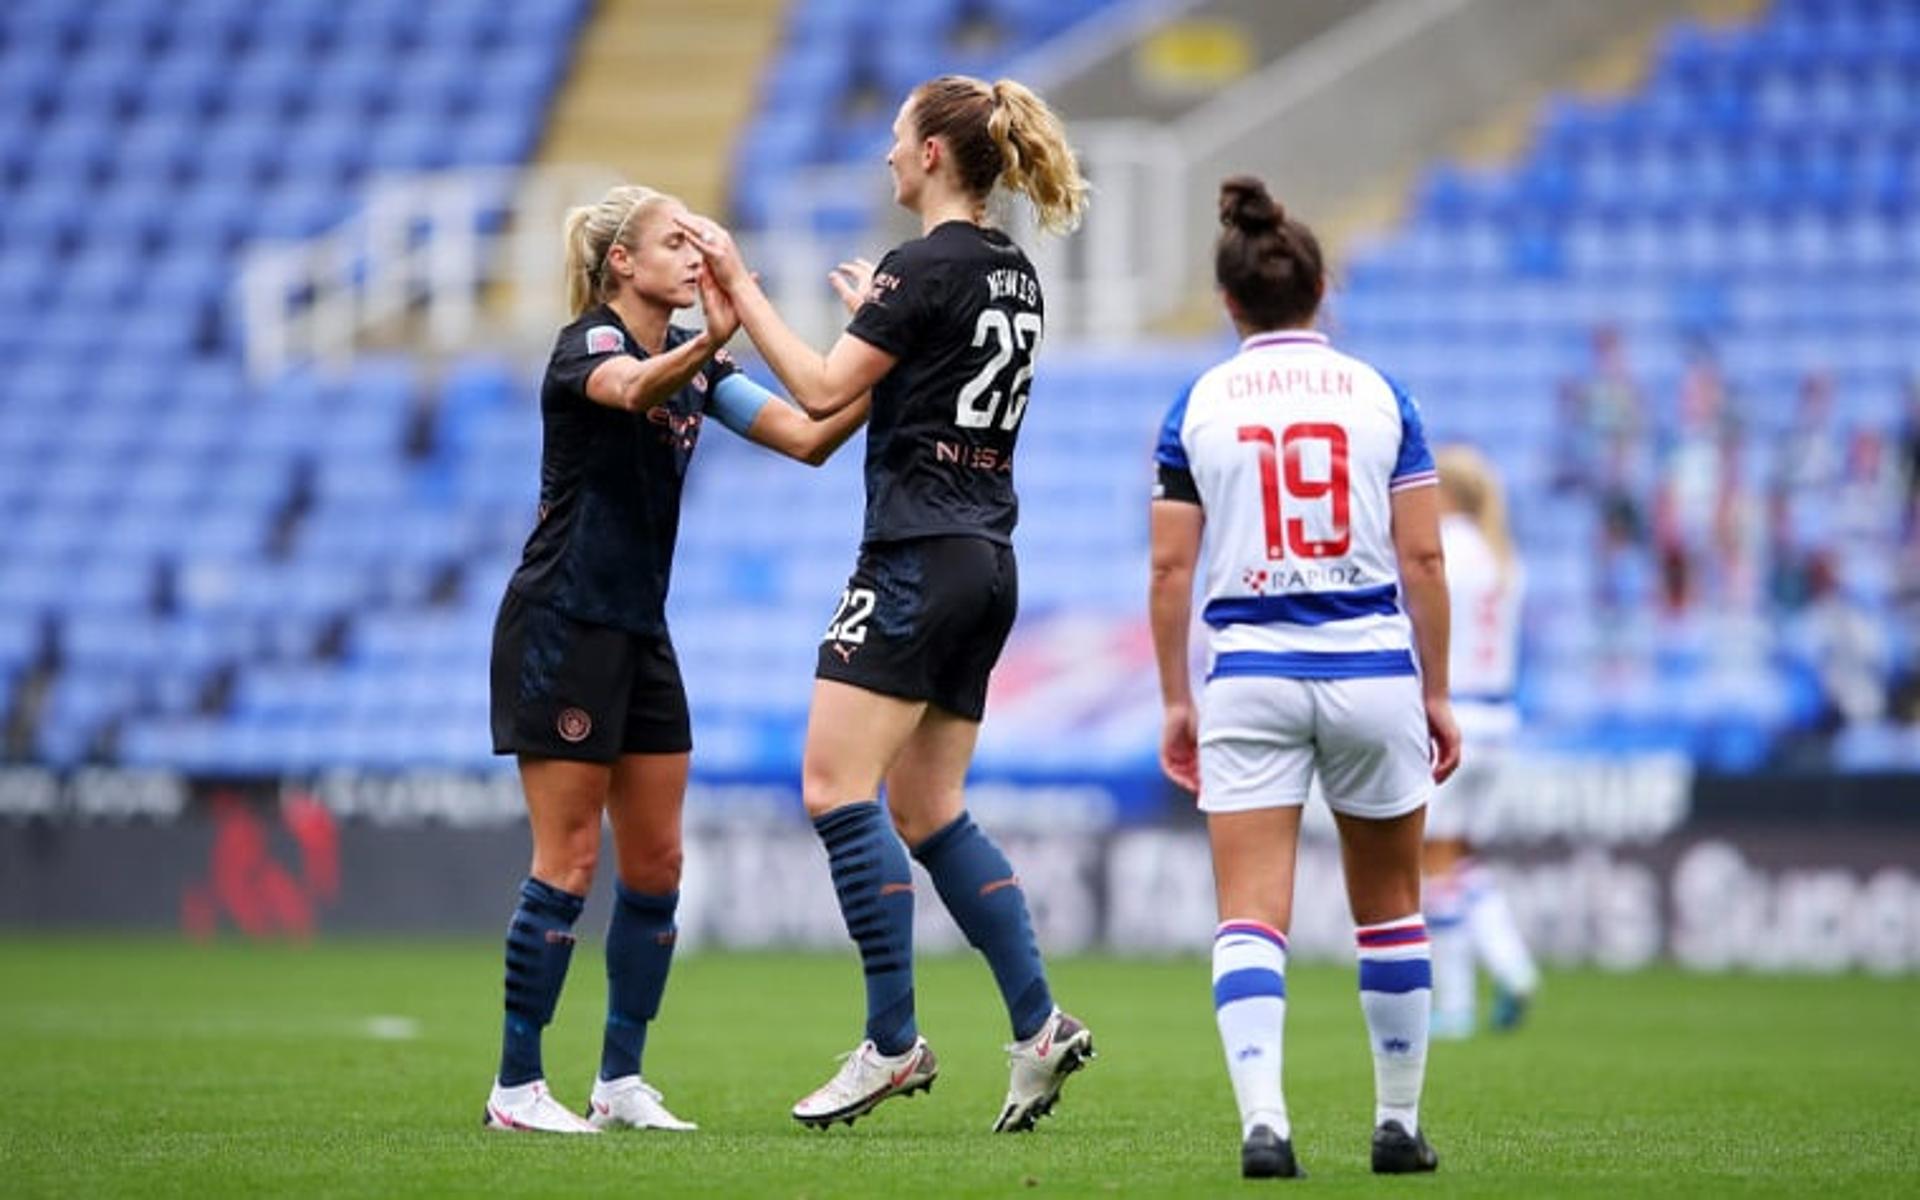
{"points": [[1463, 806], [1262, 740]]}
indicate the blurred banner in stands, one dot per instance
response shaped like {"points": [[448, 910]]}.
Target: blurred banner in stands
{"points": [[1622, 865]]}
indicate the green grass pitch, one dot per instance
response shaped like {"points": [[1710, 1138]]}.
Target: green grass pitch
{"points": [[153, 1068]]}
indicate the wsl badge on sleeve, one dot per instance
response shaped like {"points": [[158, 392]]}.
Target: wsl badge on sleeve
{"points": [[605, 339]]}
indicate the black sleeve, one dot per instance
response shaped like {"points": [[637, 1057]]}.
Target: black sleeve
{"points": [[582, 348], [894, 315], [719, 367], [1175, 483]]}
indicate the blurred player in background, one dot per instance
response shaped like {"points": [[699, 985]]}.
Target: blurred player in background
{"points": [[586, 688], [1313, 471], [946, 338], [1466, 911]]}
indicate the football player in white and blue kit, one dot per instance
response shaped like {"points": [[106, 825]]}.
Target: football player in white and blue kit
{"points": [[1471, 924], [1326, 601]]}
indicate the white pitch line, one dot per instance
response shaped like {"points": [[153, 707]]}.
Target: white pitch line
{"points": [[391, 1028]]}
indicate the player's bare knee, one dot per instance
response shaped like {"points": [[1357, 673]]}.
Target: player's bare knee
{"points": [[568, 861], [915, 825], [654, 871], [1384, 897], [574, 877], [1255, 904], [821, 793]]}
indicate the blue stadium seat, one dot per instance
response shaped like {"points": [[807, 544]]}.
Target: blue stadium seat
{"points": [[35, 576], [410, 140], [299, 210], [240, 149], [495, 139], [1750, 162]]}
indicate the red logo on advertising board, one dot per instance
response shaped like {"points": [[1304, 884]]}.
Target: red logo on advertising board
{"points": [[248, 886]]}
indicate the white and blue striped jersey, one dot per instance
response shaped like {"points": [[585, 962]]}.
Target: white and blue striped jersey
{"points": [[1484, 655], [1293, 450]]}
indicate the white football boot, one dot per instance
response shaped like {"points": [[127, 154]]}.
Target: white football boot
{"points": [[630, 1103], [531, 1108], [865, 1078], [1040, 1066]]}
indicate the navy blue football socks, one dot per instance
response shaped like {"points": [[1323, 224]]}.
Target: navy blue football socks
{"points": [[875, 885], [979, 888], [640, 942], [539, 946]]}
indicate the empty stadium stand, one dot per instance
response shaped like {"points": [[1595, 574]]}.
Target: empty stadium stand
{"points": [[1685, 322]]}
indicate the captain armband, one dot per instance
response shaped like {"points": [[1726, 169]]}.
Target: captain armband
{"points": [[1175, 483]]}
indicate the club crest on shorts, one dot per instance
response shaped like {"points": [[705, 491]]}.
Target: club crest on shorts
{"points": [[604, 339], [574, 724]]}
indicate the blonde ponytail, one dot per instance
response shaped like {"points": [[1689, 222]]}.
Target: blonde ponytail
{"points": [[1039, 162], [592, 230], [1003, 134], [1473, 488]]}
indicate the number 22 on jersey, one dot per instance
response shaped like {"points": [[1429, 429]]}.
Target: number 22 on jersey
{"points": [[1015, 337], [1286, 488]]}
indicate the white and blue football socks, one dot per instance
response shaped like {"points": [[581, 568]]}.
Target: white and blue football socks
{"points": [[1454, 999], [1250, 1007], [1396, 994], [1494, 933]]}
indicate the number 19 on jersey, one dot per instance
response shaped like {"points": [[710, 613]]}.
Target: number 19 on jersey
{"points": [[1289, 533]]}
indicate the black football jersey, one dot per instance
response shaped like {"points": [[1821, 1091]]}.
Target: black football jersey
{"points": [[601, 549], [961, 310]]}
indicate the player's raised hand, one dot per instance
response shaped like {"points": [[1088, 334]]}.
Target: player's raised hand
{"points": [[1444, 733], [851, 281], [723, 320], [717, 245], [1180, 748]]}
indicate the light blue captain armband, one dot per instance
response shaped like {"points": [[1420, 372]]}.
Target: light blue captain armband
{"points": [[737, 400]]}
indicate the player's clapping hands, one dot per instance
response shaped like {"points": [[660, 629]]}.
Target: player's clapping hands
{"points": [[723, 320], [851, 281], [717, 245]]}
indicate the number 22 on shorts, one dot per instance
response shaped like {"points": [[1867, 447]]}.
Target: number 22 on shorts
{"points": [[849, 624]]}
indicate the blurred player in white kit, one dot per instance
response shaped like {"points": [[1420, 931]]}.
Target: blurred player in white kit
{"points": [[1468, 919]]}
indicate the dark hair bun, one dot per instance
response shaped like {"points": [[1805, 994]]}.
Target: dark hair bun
{"points": [[1246, 206]]}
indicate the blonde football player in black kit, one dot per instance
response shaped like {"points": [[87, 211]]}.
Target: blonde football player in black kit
{"points": [[586, 688], [945, 338]]}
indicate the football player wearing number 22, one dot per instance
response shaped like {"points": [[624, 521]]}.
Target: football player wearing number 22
{"points": [[945, 335]]}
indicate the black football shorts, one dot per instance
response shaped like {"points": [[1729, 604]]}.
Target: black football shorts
{"points": [[924, 619], [564, 688]]}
